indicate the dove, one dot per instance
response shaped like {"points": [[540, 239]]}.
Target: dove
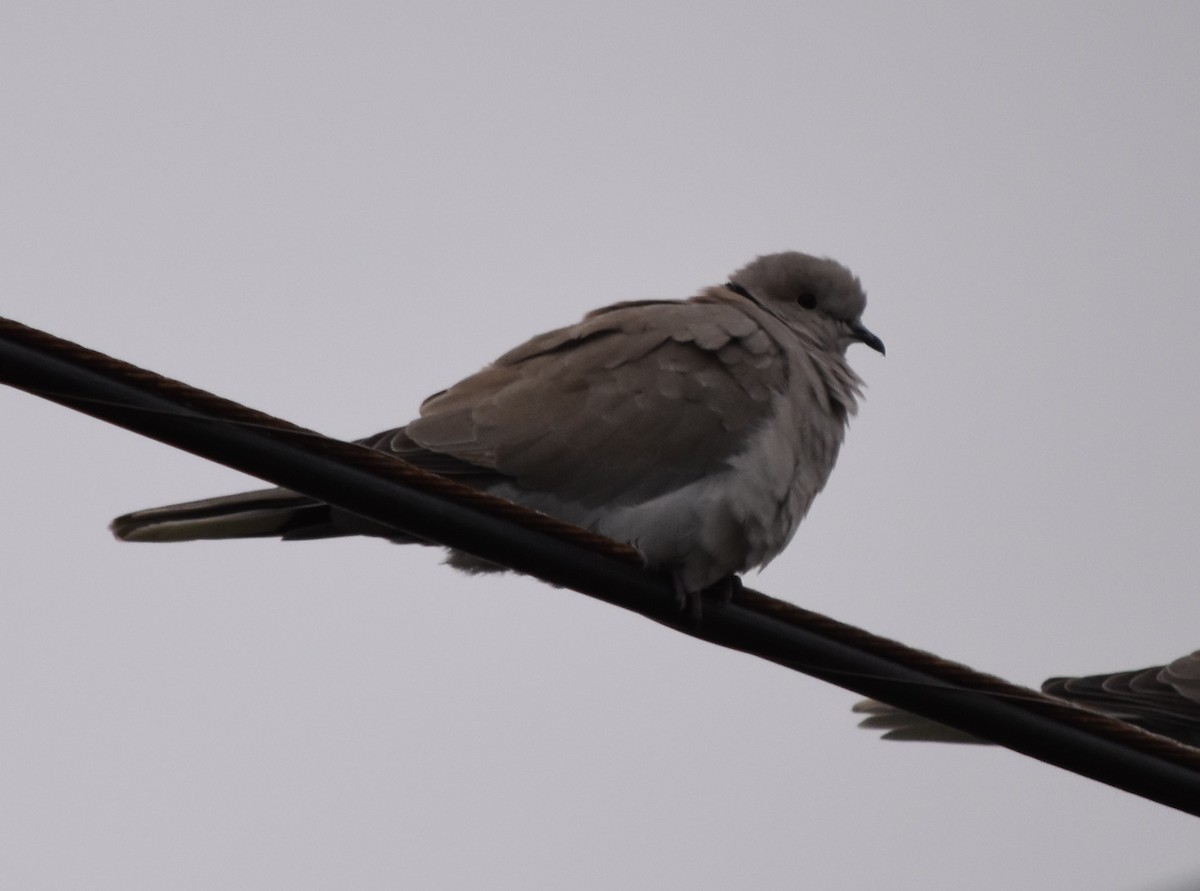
{"points": [[699, 431], [1163, 698]]}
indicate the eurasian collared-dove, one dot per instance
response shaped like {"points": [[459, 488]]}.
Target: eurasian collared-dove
{"points": [[698, 431], [1163, 698]]}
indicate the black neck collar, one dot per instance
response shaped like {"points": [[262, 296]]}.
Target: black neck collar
{"points": [[739, 290]]}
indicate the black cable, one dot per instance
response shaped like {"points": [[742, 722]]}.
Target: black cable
{"points": [[362, 481]]}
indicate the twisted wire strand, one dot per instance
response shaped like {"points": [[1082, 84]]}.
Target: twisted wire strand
{"points": [[964, 680]]}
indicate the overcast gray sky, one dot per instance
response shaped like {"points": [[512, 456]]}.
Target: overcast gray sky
{"points": [[331, 211]]}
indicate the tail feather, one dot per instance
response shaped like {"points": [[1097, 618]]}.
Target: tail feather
{"points": [[264, 513], [902, 725]]}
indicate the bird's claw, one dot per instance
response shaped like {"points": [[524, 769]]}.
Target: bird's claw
{"points": [[691, 603]]}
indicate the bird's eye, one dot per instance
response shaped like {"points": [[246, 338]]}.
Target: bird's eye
{"points": [[807, 299]]}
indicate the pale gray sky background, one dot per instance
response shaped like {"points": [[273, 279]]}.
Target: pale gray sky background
{"points": [[331, 211]]}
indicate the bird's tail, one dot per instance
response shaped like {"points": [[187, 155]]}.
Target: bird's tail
{"points": [[902, 725], [265, 513]]}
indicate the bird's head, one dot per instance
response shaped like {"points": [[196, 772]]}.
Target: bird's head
{"points": [[806, 292]]}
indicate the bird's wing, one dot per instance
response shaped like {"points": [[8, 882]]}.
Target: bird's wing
{"points": [[634, 401], [1184, 675], [1160, 698]]}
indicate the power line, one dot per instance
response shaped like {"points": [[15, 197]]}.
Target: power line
{"points": [[389, 491]]}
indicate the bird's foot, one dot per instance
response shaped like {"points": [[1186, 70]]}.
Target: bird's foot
{"points": [[691, 603]]}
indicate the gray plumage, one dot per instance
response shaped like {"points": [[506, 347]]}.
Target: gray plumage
{"points": [[1163, 698], [698, 431]]}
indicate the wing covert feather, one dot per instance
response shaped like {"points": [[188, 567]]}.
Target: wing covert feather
{"points": [[632, 402]]}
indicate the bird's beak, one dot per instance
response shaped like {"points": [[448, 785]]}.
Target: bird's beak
{"points": [[861, 334]]}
